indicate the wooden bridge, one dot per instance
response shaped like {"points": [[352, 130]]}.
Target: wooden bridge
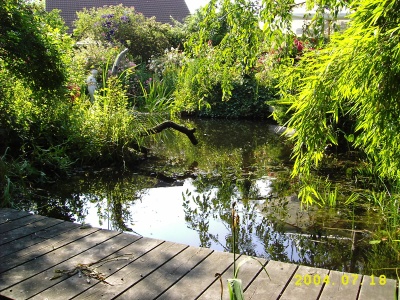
{"points": [[45, 258]]}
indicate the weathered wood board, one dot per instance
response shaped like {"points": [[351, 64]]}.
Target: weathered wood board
{"points": [[45, 258]]}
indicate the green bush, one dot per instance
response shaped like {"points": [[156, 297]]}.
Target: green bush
{"points": [[32, 43], [248, 100], [106, 129], [124, 27]]}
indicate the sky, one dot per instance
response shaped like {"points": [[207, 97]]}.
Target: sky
{"points": [[195, 4]]}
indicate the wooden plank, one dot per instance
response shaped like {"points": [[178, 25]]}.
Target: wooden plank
{"points": [[200, 278], [13, 224], [33, 246], [42, 281], [339, 285], [74, 285], [247, 272], [21, 232], [49, 260], [373, 288], [270, 287], [134, 272], [8, 251], [8, 214], [165, 276], [298, 287], [35, 251]]}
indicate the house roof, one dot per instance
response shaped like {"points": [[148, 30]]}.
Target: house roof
{"points": [[163, 10]]}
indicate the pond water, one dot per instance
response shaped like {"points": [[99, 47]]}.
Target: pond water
{"points": [[184, 193]]}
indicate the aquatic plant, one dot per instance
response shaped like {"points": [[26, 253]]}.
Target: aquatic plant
{"points": [[235, 284], [156, 96]]}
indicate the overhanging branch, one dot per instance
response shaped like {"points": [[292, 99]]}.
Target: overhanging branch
{"points": [[169, 124]]}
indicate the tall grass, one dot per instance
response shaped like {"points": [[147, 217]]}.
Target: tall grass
{"points": [[107, 127], [157, 96]]}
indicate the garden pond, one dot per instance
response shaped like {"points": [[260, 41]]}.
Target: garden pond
{"points": [[184, 193]]}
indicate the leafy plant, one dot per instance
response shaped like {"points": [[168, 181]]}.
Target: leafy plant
{"points": [[124, 27], [352, 79], [157, 96], [26, 26]]}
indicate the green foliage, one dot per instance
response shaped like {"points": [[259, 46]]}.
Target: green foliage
{"points": [[15, 174], [191, 91], [342, 90], [106, 129], [124, 27], [356, 76], [229, 40], [156, 96], [223, 51], [248, 100], [227, 46], [47, 123], [24, 27]]}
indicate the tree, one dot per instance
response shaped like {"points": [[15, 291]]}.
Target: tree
{"points": [[356, 77], [29, 47], [346, 87], [230, 41]]}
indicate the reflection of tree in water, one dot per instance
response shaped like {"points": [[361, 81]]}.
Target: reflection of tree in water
{"points": [[228, 162], [61, 206], [311, 245], [215, 202], [117, 197], [198, 218], [112, 193]]}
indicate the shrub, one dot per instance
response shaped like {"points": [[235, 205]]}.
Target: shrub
{"points": [[32, 44], [124, 27]]}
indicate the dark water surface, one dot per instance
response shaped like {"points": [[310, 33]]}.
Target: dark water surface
{"points": [[184, 193]]}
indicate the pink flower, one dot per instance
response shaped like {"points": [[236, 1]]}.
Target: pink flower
{"points": [[299, 45]]}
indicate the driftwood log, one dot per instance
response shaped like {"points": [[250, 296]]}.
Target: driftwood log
{"points": [[169, 124], [160, 127]]}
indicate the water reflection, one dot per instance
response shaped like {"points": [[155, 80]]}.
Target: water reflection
{"points": [[184, 194]]}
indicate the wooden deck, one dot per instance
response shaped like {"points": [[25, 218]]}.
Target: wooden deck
{"points": [[33, 248]]}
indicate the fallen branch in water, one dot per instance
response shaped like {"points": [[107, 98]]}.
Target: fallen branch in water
{"points": [[160, 127], [169, 124]]}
